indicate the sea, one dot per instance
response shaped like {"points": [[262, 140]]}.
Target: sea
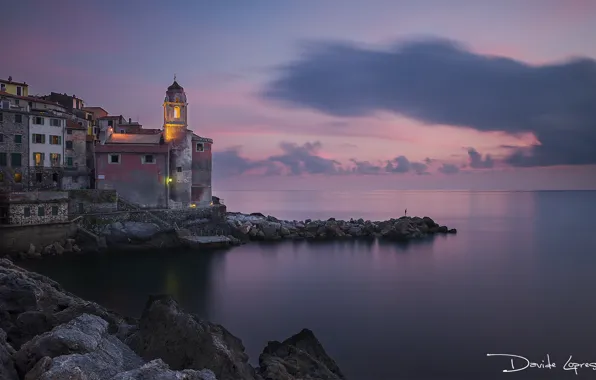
{"points": [[511, 291]]}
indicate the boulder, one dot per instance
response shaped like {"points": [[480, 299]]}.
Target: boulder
{"points": [[184, 341], [83, 342], [299, 357], [58, 248], [157, 369], [7, 366], [31, 304]]}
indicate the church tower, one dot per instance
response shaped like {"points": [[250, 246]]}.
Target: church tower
{"points": [[176, 134]]}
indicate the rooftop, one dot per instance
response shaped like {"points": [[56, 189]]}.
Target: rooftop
{"points": [[13, 82], [175, 86], [29, 98], [122, 138], [73, 124]]}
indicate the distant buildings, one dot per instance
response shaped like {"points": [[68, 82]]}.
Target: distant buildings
{"points": [[56, 142]]}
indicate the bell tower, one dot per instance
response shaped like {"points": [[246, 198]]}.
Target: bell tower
{"points": [[177, 135], [175, 113]]}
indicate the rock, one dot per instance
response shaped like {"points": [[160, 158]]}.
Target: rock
{"points": [[31, 251], [7, 366], [48, 250], [452, 231], [81, 348], [442, 229], [41, 367], [299, 357], [31, 304], [101, 243], [184, 341], [157, 369], [75, 248], [58, 248]]}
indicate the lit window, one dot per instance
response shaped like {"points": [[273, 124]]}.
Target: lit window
{"points": [[18, 177], [176, 112], [55, 140], [55, 159], [38, 159]]}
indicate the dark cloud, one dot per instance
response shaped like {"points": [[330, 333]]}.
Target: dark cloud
{"points": [[402, 165], [449, 169], [477, 162], [298, 159], [365, 167], [440, 82]]}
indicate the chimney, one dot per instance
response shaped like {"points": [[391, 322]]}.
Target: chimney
{"points": [[10, 78], [129, 120]]}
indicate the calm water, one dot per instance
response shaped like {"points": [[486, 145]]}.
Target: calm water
{"points": [[518, 278]]}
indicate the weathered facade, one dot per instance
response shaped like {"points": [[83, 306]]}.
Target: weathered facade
{"points": [[46, 150], [14, 152], [152, 168], [76, 172], [136, 166], [34, 207]]}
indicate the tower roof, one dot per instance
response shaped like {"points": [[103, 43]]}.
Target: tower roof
{"points": [[175, 86]]}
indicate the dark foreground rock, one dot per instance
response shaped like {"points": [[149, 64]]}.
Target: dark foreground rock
{"points": [[299, 357], [47, 333], [267, 228]]}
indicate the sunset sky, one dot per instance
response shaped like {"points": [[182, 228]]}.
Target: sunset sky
{"points": [[312, 94]]}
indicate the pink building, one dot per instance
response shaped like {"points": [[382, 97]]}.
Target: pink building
{"points": [[157, 169]]}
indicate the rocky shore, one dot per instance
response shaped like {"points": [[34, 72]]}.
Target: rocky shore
{"points": [[198, 230], [47, 333]]}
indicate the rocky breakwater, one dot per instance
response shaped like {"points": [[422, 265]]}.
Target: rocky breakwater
{"points": [[268, 228], [47, 333]]}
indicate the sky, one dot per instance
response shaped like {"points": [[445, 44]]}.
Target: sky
{"points": [[310, 94]]}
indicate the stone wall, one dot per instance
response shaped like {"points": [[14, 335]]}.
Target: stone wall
{"points": [[17, 238], [92, 201], [38, 213], [76, 175]]}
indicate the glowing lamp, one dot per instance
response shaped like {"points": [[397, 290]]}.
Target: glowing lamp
{"points": [[192, 205]]}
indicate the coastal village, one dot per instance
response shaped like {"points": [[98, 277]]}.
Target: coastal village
{"points": [[73, 174]]}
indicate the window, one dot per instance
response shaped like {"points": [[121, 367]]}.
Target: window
{"points": [[38, 139], [38, 120], [16, 102], [69, 145], [38, 158], [55, 140], [1, 177], [110, 123], [81, 208], [200, 147], [27, 212], [69, 132], [1, 138], [176, 112], [18, 177], [18, 139], [19, 91], [122, 131], [148, 159], [55, 177], [2, 87], [95, 130], [114, 158], [179, 169], [15, 160], [68, 161], [55, 159], [38, 177], [54, 210], [1, 116], [55, 123], [3, 159], [18, 118], [41, 211]]}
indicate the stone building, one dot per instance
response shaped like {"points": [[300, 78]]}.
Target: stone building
{"points": [[153, 168], [76, 172], [46, 149], [19, 208], [14, 148]]}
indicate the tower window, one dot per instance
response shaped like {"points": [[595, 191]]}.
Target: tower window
{"points": [[176, 112]]}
